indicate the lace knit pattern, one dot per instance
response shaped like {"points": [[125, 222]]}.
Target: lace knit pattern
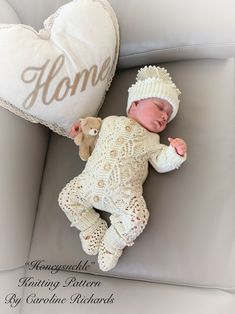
{"points": [[82, 216], [92, 237]]}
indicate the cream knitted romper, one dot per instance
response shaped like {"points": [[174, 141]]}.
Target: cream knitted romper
{"points": [[112, 181]]}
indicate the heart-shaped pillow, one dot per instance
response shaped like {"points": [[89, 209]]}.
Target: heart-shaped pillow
{"points": [[61, 73]]}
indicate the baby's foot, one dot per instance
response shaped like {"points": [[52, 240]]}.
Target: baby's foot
{"points": [[108, 257], [92, 237]]}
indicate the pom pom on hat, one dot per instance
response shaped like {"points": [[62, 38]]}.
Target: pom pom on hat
{"points": [[152, 81]]}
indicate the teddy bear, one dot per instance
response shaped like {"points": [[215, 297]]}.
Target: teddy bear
{"points": [[88, 130]]}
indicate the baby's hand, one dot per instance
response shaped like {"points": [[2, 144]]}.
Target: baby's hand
{"points": [[74, 129], [179, 145]]}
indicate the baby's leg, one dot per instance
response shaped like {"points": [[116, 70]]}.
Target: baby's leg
{"points": [[127, 225], [74, 201]]}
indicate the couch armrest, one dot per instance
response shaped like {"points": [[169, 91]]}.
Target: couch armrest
{"points": [[7, 14], [23, 150], [155, 31]]}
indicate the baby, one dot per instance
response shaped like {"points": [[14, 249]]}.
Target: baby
{"points": [[114, 174]]}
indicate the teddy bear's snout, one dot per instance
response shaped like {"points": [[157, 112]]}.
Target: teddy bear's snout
{"points": [[93, 132]]}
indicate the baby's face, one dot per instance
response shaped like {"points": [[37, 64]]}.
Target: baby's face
{"points": [[152, 113]]}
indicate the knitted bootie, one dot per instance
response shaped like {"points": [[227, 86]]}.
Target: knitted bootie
{"points": [[111, 249], [92, 237], [92, 229]]}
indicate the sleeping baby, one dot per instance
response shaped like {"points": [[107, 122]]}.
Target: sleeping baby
{"points": [[114, 174]]}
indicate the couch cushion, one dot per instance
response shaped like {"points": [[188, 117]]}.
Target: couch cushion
{"points": [[171, 31], [41, 10], [190, 235], [7, 13], [168, 31], [23, 149], [83, 293], [11, 293]]}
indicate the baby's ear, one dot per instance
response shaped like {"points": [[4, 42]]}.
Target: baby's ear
{"points": [[134, 105]]}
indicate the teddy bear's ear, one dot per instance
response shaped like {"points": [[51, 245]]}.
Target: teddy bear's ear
{"points": [[99, 119], [83, 122]]}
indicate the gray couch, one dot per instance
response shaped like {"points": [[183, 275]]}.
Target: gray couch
{"points": [[184, 261]]}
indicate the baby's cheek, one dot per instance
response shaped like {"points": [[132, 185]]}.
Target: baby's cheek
{"points": [[146, 118], [148, 124]]}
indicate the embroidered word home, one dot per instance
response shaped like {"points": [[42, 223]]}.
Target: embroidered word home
{"points": [[65, 86]]}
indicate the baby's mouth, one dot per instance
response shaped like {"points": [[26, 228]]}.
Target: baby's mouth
{"points": [[158, 123]]}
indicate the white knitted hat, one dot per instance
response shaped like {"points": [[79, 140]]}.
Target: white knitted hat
{"points": [[152, 81]]}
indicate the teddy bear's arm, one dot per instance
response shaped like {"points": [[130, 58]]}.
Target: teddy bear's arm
{"points": [[78, 139]]}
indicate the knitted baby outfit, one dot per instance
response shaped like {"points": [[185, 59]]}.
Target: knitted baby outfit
{"points": [[112, 181]]}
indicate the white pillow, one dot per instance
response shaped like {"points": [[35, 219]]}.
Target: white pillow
{"points": [[62, 72]]}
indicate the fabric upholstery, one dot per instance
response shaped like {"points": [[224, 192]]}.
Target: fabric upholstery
{"points": [[191, 209]]}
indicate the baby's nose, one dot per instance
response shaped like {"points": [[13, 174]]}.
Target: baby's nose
{"points": [[164, 116]]}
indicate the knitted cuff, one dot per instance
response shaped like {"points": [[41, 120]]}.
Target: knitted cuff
{"points": [[86, 220], [113, 240], [173, 158], [99, 224], [167, 159]]}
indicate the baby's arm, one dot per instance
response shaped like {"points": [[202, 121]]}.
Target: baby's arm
{"points": [[169, 157]]}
